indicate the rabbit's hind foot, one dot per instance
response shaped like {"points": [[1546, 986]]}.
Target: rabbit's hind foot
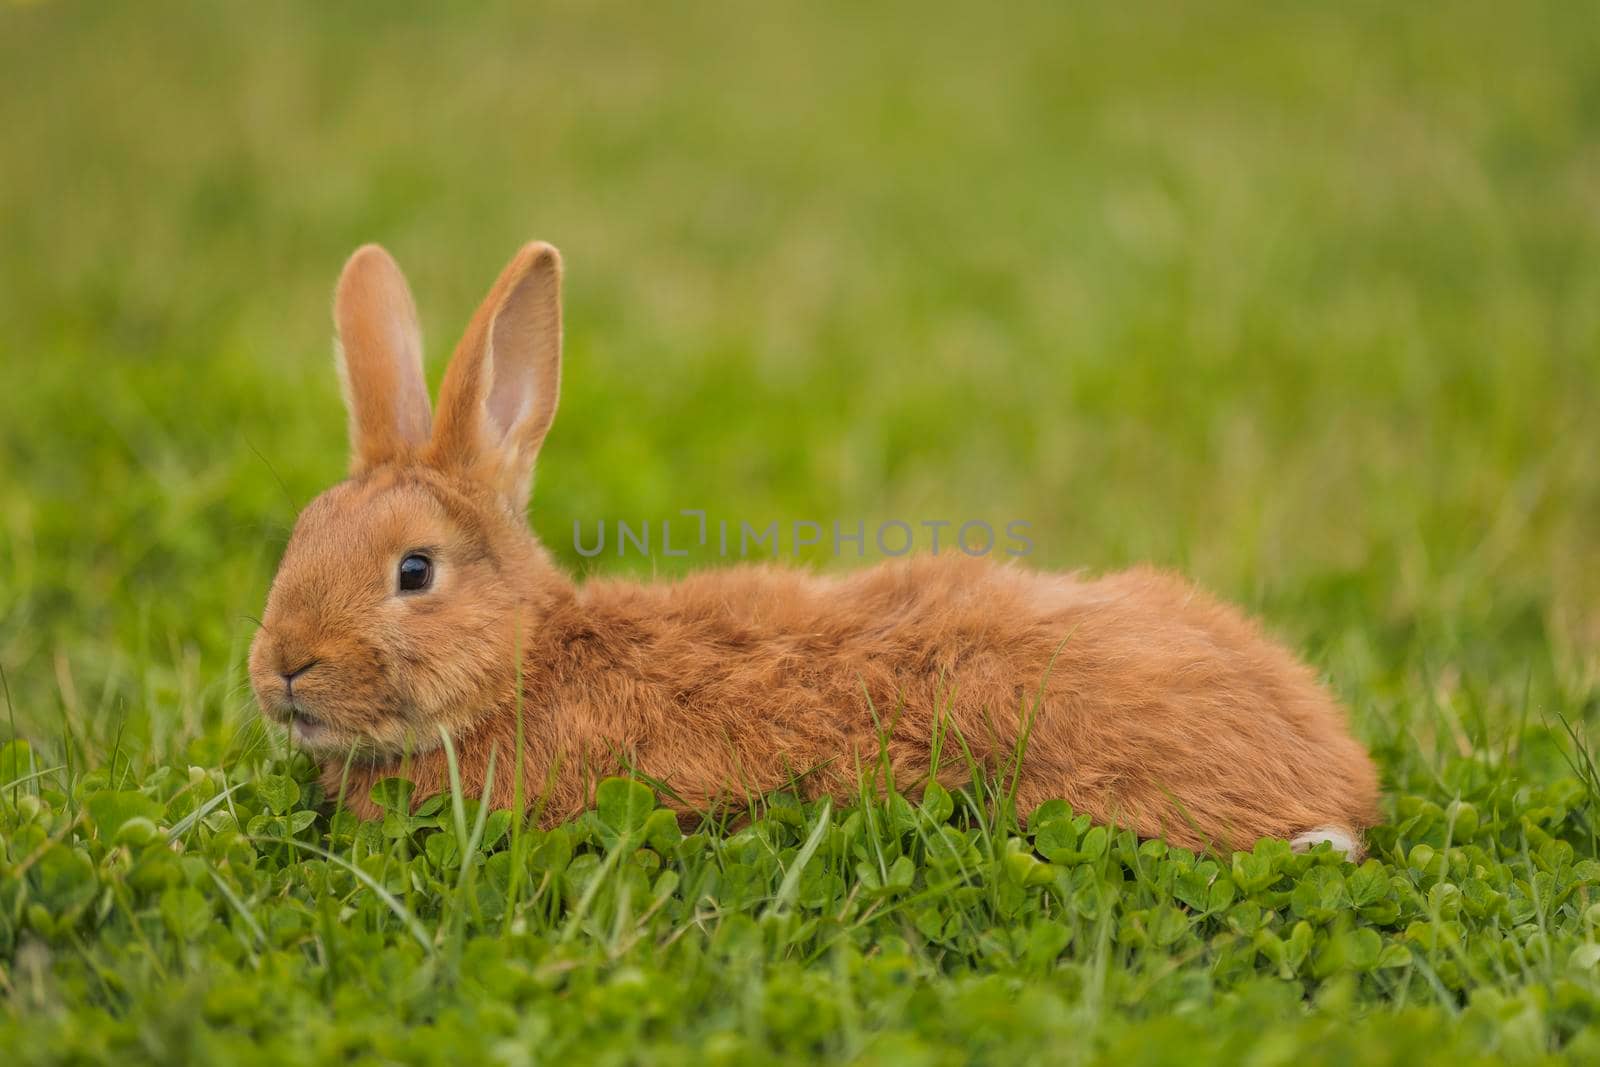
{"points": [[1340, 838]]}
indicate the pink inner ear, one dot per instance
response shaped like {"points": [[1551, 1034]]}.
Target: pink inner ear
{"points": [[522, 333], [512, 389]]}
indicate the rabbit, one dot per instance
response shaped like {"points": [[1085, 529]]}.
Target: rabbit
{"points": [[413, 598]]}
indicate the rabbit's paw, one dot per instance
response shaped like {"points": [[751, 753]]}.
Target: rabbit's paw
{"points": [[1341, 839]]}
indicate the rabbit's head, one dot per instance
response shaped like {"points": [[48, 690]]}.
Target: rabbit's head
{"points": [[407, 592]]}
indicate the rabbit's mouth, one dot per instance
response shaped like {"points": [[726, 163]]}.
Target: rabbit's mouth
{"points": [[307, 728]]}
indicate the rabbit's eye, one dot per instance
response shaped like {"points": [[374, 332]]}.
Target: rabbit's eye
{"points": [[416, 573]]}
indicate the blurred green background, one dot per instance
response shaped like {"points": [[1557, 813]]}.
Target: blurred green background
{"points": [[1302, 299]]}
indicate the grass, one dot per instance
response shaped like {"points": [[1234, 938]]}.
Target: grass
{"points": [[1300, 300]]}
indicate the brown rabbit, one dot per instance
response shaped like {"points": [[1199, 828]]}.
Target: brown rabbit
{"points": [[413, 596]]}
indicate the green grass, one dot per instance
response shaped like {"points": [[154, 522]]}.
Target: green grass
{"points": [[1303, 300]]}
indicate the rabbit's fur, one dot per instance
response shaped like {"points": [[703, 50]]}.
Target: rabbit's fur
{"points": [[1144, 701]]}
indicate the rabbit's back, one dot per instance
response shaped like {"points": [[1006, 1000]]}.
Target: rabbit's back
{"points": [[1145, 701], [1175, 714]]}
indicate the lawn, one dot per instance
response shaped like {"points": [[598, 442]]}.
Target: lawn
{"points": [[1303, 300]]}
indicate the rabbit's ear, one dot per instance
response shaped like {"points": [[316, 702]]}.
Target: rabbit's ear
{"points": [[499, 394], [380, 360]]}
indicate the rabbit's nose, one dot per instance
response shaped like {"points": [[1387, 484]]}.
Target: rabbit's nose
{"points": [[289, 675]]}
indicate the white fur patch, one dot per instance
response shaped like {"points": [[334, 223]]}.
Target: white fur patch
{"points": [[1341, 839]]}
